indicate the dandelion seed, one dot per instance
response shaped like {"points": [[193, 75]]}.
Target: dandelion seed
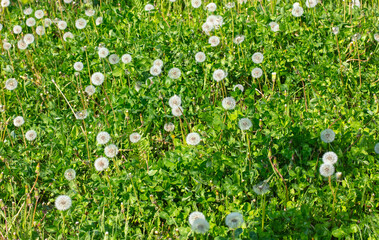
{"points": [[158, 63], [90, 90], [62, 25], [338, 175], [47, 22], [155, 70], [326, 169], [39, 14], [101, 164], [256, 73], [177, 111], [214, 41], [63, 202], [195, 216], [376, 37], [239, 86], [7, 46], [207, 27], [196, 3], [28, 38], [30, 22], [134, 137], [175, 101], [219, 75], [234, 220], [40, 30], [328, 135], [80, 23], [5, 3], [245, 124], [239, 39], [211, 7], [330, 158], [335, 30], [219, 21], [28, 11], [311, 3], [70, 174], [67, 35], [114, 59], [149, 7], [11, 84], [200, 57], [22, 45], [17, 29], [228, 103], [103, 138], [193, 138], [111, 151], [376, 148], [89, 12], [78, 66], [103, 52], [257, 58], [18, 121], [297, 11], [200, 226], [261, 188], [126, 58], [169, 127], [274, 26], [81, 115], [99, 21], [174, 73], [30, 135], [97, 78]]}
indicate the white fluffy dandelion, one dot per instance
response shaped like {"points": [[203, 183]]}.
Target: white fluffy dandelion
{"points": [[90, 12], [18, 121], [90, 90], [376, 37], [78, 66], [103, 52], [39, 14], [22, 45], [103, 138], [335, 30], [328, 135], [30, 22], [30, 135], [81, 115], [28, 11], [80, 23], [149, 7], [376, 148], [134, 137], [177, 111], [155, 70], [47, 22], [111, 151], [5, 3], [40, 30], [62, 25], [256, 73], [274, 26], [239, 86], [228, 103], [261, 188], [99, 21], [193, 138], [326, 169], [63, 202], [207, 27], [97, 78], [311, 3], [200, 57], [234, 220], [169, 127], [67, 35], [101, 164], [257, 58], [200, 226], [28, 38], [214, 41], [196, 3], [126, 58], [194, 216], [175, 101], [11, 84], [245, 124], [7, 46], [356, 3], [70, 174], [174, 73], [17, 29], [211, 7], [114, 59], [239, 39], [330, 157], [219, 75], [158, 63]]}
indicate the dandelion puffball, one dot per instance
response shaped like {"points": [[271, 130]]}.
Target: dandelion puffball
{"points": [[376, 148], [149, 7], [18, 121], [155, 70], [97, 78], [200, 226], [90, 90], [11, 84], [111, 151], [80, 23], [196, 3], [126, 58], [274, 26], [103, 52], [239, 86], [78, 66], [211, 7], [193, 139], [328, 135], [245, 124], [219, 75], [30, 135], [234, 220], [256, 73], [239, 39], [257, 57], [63, 202], [158, 63], [330, 157], [200, 57], [70, 174], [169, 127], [114, 59], [228, 103], [101, 164], [326, 169], [103, 138], [214, 41], [175, 101], [311, 3], [174, 73], [261, 188], [134, 137], [194, 216]]}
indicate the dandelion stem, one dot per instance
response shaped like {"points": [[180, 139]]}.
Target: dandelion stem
{"points": [[263, 211], [64, 97], [334, 198]]}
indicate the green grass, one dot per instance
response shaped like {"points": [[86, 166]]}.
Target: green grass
{"points": [[150, 188]]}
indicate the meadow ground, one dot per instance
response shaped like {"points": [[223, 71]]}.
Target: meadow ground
{"points": [[189, 119]]}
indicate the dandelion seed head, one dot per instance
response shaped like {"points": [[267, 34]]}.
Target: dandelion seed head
{"points": [[219, 75], [214, 41], [245, 124], [257, 58], [196, 3], [261, 188], [155, 70], [18, 121], [90, 12], [103, 138], [311, 3], [81, 23], [169, 127], [63, 202], [99, 21], [28, 38], [174, 73], [376, 148], [5, 3], [239, 39], [70, 174], [326, 169], [194, 216], [30, 135], [7, 46], [297, 11], [330, 158], [97, 78], [22, 45], [256, 73], [274, 26], [193, 138], [101, 164], [103, 52], [134, 137], [39, 14], [28, 11], [211, 7], [175, 101], [200, 57], [90, 90], [30, 22], [228, 103], [158, 63], [78, 66], [17, 29], [40, 30], [81, 115], [114, 59], [126, 58], [239, 86], [328, 135], [338, 175], [177, 111], [62, 25], [335, 30], [67, 35], [230, 5], [111, 151], [149, 7], [200, 226], [234, 220], [47, 22], [376, 37], [11, 84]]}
